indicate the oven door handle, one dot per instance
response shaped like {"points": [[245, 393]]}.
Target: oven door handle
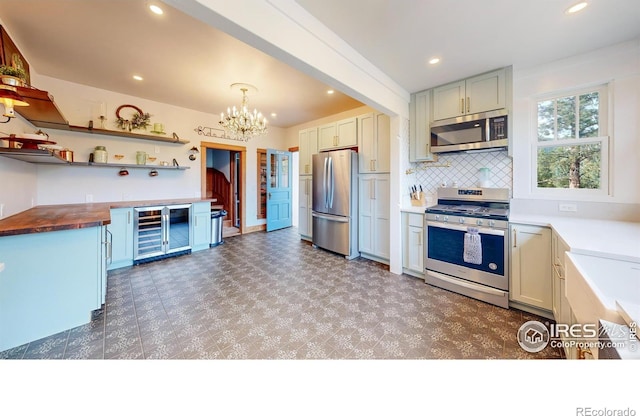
{"points": [[481, 230]]}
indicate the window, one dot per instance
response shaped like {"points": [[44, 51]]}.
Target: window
{"points": [[571, 151]]}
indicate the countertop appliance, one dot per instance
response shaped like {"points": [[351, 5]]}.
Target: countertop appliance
{"points": [[467, 241], [335, 202], [480, 131]]}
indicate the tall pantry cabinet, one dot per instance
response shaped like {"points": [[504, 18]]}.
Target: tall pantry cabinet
{"points": [[308, 146], [373, 209]]}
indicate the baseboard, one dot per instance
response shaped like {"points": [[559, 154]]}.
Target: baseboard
{"points": [[413, 273], [532, 309], [374, 258], [255, 228]]}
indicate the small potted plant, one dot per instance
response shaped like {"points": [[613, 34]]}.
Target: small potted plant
{"points": [[12, 76]]}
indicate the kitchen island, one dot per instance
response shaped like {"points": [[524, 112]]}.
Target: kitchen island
{"points": [[53, 263], [47, 218]]}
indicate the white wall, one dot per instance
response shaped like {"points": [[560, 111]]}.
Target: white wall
{"points": [[618, 65]]}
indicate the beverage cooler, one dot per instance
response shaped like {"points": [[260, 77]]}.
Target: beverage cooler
{"points": [[161, 231]]}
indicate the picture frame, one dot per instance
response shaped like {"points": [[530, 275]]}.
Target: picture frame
{"points": [[11, 56]]}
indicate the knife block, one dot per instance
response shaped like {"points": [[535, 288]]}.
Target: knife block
{"points": [[419, 202]]}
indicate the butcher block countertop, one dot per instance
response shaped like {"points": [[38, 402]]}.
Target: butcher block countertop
{"points": [[47, 218]]}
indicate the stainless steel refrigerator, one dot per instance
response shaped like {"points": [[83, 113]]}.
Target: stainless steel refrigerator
{"points": [[335, 202]]}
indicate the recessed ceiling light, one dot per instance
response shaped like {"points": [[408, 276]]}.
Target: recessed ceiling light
{"points": [[576, 7], [138, 78], [156, 9], [434, 61], [330, 92], [274, 115]]}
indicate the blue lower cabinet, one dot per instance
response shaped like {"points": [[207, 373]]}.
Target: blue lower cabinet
{"points": [[51, 282], [201, 225], [121, 238]]}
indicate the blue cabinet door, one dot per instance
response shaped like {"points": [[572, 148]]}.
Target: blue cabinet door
{"points": [[201, 226], [121, 229]]}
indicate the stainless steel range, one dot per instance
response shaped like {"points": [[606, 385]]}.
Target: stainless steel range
{"points": [[466, 243]]}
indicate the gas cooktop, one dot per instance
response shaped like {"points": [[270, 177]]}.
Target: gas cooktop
{"points": [[476, 203]]}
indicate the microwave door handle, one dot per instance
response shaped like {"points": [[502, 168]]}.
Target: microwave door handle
{"points": [[487, 130]]}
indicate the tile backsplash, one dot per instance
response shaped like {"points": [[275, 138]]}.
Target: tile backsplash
{"points": [[462, 171]]}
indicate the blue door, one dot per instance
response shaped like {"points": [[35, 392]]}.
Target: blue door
{"points": [[279, 189]]}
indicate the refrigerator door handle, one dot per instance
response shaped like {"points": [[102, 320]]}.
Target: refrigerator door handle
{"points": [[325, 190], [330, 217], [331, 182]]}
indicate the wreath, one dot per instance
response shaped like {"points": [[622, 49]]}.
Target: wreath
{"points": [[139, 120]]}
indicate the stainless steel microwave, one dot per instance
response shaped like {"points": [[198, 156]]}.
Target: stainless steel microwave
{"points": [[473, 132]]}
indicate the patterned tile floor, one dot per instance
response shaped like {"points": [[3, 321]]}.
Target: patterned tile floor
{"points": [[272, 296]]}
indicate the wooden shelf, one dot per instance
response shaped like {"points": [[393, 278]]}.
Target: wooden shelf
{"points": [[128, 166], [42, 112], [124, 133], [46, 157]]}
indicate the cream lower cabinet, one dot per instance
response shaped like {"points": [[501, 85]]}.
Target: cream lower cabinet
{"points": [[373, 217], [562, 313], [304, 207], [413, 244], [531, 280]]}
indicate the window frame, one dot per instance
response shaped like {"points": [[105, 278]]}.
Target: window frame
{"points": [[603, 138]]}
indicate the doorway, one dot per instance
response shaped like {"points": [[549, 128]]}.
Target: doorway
{"points": [[223, 173]]}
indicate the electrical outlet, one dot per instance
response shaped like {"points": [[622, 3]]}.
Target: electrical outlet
{"points": [[88, 198], [568, 207], [1, 210], [156, 149], [126, 196]]}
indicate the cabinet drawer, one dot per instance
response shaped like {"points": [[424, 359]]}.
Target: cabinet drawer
{"points": [[416, 220]]}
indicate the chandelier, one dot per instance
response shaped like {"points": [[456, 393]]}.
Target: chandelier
{"points": [[242, 124]]}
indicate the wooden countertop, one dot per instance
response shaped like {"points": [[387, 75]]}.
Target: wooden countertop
{"points": [[47, 218]]}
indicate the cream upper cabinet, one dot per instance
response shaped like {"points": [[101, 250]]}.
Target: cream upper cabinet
{"points": [[373, 143], [484, 92], [308, 146], [419, 127], [531, 279], [338, 135]]}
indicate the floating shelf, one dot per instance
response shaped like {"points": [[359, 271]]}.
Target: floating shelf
{"points": [[123, 133], [47, 157], [42, 112]]}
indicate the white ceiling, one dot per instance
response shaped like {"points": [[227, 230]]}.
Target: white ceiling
{"points": [[471, 36], [102, 43]]}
